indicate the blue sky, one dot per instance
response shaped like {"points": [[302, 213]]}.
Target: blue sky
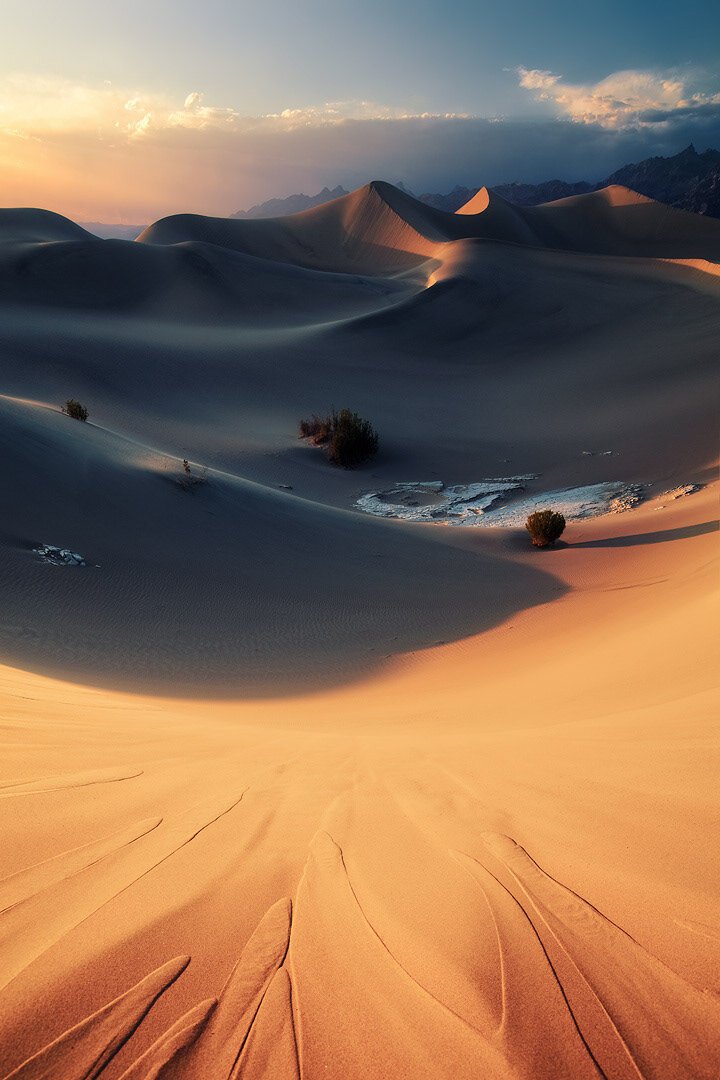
{"points": [[211, 106]]}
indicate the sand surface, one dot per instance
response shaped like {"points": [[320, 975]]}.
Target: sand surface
{"points": [[289, 790]]}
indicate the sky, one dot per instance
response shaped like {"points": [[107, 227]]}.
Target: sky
{"points": [[126, 111]]}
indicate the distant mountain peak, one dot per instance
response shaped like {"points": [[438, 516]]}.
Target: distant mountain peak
{"points": [[688, 180], [293, 204]]}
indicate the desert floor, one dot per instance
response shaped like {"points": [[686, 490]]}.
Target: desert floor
{"points": [[291, 791]]}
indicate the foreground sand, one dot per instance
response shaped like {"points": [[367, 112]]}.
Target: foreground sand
{"points": [[501, 853], [392, 801]]}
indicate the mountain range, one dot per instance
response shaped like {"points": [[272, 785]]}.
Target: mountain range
{"points": [[112, 232], [688, 180]]}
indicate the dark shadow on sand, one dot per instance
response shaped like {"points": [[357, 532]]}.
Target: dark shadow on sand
{"points": [[661, 537], [232, 590], [379, 593]]}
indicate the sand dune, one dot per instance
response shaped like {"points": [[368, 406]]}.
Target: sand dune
{"points": [[188, 281], [380, 228], [292, 791], [31, 226], [613, 221], [377, 229]]}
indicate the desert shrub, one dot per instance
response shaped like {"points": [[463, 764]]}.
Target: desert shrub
{"points": [[350, 439], [545, 527], [75, 409], [318, 428], [190, 481]]}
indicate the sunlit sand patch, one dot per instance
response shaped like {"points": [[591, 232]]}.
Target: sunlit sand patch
{"points": [[495, 502], [680, 492]]}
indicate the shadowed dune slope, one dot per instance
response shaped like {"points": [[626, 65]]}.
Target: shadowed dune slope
{"points": [[30, 225], [492, 217], [189, 281], [619, 221], [224, 588]]}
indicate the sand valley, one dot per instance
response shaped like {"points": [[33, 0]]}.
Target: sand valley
{"points": [[298, 780]]}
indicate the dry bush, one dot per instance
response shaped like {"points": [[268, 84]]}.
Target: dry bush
{"points": [[545, 527], [350, 439], [353, 440], [318, 428], [190, 481], [75, 409]]}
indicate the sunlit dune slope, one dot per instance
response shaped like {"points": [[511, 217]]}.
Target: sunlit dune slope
{"points": [[613, 221], [376, 229]]}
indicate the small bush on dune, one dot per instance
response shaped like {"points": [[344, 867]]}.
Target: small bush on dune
{"points": [[75, 409], [189, 481], [318, 429], [353, 440], [545, 527], [350, 439]]}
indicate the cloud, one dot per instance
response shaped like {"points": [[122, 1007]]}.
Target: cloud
{"points": [[335, 112], [196, 115], [625, 99], [110, 153], [536, 79], [43, 106], [38, 105]]}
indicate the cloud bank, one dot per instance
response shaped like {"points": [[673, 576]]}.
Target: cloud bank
{"points": [[122, 154], [626, 99]]}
